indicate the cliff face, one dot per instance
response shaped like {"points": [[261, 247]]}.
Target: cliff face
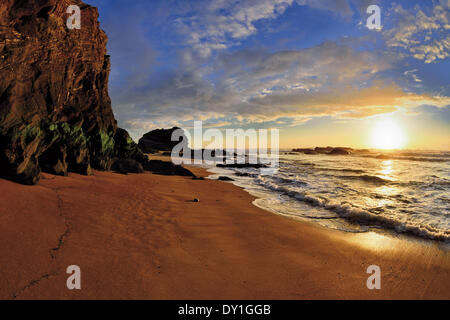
{"points": [[55, 112]]}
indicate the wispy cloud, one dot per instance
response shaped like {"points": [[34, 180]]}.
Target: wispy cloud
{"points": [[218, 24], [424, 36]]}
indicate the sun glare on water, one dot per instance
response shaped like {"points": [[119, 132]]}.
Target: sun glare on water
{"points": [[387, 134]]}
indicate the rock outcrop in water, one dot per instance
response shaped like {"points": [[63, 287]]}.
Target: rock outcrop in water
{"points": [[340, 152], [305, 150], [328, 150], [55, 112]]}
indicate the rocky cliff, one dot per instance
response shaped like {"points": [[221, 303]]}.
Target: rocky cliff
{"points": [[55, 112]]}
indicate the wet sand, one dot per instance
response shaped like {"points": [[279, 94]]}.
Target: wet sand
{"points": [[142, 237]]}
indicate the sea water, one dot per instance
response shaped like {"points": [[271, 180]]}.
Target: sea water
{"points": [[403, 191]]}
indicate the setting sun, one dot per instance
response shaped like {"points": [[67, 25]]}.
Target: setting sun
{"points": [[387, 134]]}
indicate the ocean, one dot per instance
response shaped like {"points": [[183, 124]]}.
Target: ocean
{"points": [[406, 192]]}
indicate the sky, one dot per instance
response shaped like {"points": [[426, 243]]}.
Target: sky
{"points": [[309, 68]]}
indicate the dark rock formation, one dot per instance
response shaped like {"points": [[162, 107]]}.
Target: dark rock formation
{"points": [[55, 112], [223, 178], [340, 152], [167, 168], [212, 154], [327, 150], [323, 150], [242, 174], [160, 140], [305, 151], [125, 166], [125, 147]]}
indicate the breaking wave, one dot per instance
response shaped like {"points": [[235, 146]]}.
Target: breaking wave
{"points": [[359, 192], [355, 214]]}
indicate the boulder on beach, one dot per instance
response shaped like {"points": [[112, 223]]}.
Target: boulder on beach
{"points": [[160, 140]]}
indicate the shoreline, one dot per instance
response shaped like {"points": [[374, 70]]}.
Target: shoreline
{"points": [[142, 237], [384, 230], [406, 236]]}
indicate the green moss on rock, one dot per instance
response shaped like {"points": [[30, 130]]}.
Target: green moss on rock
{"points": [[107, 144]]}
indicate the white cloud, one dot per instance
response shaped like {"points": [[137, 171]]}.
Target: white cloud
{"points": [[413, 75], [221, 23], [424, 37]]}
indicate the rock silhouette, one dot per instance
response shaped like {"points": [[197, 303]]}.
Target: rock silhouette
{"points": [[340, 152], [160, 140], [329, 151]]}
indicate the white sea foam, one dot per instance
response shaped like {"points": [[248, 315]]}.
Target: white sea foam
{"points": [[397, 194]]}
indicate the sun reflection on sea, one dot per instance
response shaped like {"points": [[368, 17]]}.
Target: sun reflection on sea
{"points": [[387, 167], [385, 191]]}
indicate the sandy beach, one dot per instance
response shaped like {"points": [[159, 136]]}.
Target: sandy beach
{"points": [[142, 237], [335, 113]]}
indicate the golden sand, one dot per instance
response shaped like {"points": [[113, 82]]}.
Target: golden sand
{"points": [[141, 237]]}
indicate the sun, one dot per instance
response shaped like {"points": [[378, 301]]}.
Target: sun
{"points": [[387, 134]]}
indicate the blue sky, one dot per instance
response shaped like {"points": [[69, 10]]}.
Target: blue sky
{"points": [[309, 68]]}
